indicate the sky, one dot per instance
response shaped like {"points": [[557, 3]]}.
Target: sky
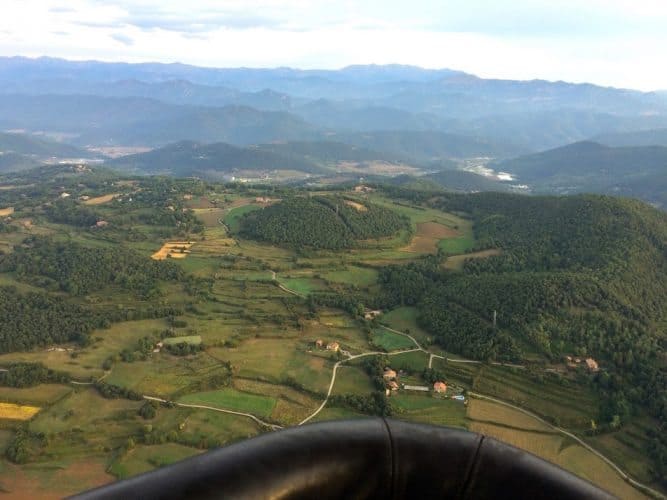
{"points": [[608, 42]]}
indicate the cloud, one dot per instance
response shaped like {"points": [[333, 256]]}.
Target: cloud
{"points": [[124, 39], [200, 24], [617, 42]]}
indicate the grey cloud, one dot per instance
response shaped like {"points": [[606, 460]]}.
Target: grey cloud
{"points": [[124, 39]]}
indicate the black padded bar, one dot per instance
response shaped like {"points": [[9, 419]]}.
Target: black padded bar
{"points": [[366, 459]]}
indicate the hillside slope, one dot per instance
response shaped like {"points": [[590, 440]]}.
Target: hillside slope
{"points": [[187, 158], [147, 122], [639, 172]]}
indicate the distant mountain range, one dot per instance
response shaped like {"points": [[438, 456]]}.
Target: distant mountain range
{"points": [[94, 120], [654, 137], [207, 121], [533, 115], [639, 172]]}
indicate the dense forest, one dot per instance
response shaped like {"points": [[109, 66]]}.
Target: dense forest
{"points": [[583, 276], [34, 319], [321, 222], [79, 270]]}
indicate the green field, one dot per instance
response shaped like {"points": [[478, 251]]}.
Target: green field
{"points": [[404, 319], [146, 458], [231, 399], [189, 339], [302, 286], [353, 275], [259, 351], [233, 217], [390, 341], [456, 246], [428, 409]]}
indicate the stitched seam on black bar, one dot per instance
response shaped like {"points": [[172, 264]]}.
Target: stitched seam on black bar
{"points": [[471, 472], [392, 459]]}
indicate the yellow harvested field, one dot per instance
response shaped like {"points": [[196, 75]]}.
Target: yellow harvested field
{"points": [[17, 412], [101, 199], [357, 206], [427, 237], [174, 250], [487, 411], [4, 212]]}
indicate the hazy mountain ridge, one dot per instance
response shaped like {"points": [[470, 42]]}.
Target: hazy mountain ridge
{"points": [[535, 114], [188, 158]]}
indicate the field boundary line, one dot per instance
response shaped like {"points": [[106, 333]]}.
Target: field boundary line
{"points": [[642, 487], [213, 408]]}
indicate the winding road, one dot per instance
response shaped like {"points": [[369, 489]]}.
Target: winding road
{"points": [[418, 348]]}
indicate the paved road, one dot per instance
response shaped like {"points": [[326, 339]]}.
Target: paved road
{"points": [[335, 370]]}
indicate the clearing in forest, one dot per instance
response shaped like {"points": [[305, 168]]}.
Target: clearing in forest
{"points": [[17, 412], [455, 263], [357, 206], [101, 199], [174, 250], [427, 237], [4, 212]]}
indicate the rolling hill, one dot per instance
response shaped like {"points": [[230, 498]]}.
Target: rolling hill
{"points": [[639, 172], [653, 137], [25, 144], [427, 146], [147, 122], [187, 158]]}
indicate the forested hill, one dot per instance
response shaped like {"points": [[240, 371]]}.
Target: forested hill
{"points": [[638, 172], [588, 158], [321, 222], [25, 144], [188, 158], [582, 275]]}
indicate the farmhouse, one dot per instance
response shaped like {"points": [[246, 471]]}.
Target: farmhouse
{"points": [[440, 387], [592, 365], [392, 385], [333, 346], [363, 189], [389, 374], [369, 314], [319, 343], [101, 223]]}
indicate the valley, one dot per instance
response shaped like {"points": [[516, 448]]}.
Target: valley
{"points": [[229, 335]]}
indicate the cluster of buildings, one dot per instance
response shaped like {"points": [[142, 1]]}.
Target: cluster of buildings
{"points": [[330, 346], [574, 363], [391, 379]]}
